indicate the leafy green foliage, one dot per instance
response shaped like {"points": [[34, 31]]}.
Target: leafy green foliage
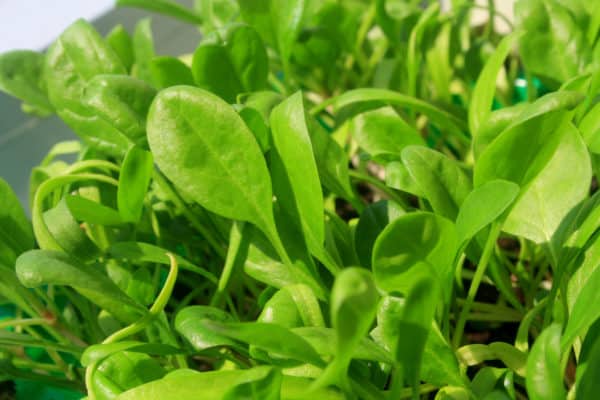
{"points": [[353, 200]]}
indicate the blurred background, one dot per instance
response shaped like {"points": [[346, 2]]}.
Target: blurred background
{"points": [[33, 24]]}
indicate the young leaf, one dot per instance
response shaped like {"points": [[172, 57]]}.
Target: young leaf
{"points": [[16, 234], [332, 163], [77, 56], [123, 371], [324, 341], [273, 338], [169, 71], [552, 44], [98, 352], [485, 88], [544, 376], [92, 212], [353, 306], [134, 179], [292, 143], [397, 262], [43, 267], [482, 206], [21, 76], [120, 41], [189, 323], [231, 63], [444, 183], [122, 102], [277, 22], [184, 384], [66, 231], [143, 50], [582, 315], [588, 368], [383, 133]]}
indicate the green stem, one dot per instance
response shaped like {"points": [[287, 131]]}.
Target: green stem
{"points": [[380, 186], [138, 326], [191, 217], [44, 238], [479, 273]]}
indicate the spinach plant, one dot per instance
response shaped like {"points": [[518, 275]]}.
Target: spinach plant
{"points": [[325, 200]]}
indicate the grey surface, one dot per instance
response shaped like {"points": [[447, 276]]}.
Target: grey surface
{"points": [[24, 140]]}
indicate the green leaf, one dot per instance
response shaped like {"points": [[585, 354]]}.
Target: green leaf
{"points": [[538, 212], [77, 56], [293, 306], [186, 135], [216, 13], [183, 385], [397, 262], [189, 323], [143, 50], [522, 150], [92, 212], [166, 7], [398, 177], [332, 162], [43, 267], [232, 62], [372, 221], [353, 306], [267, 388], [21, 76], [438, 116], [169, 71], [16, 233], [277, 22], [588, 368], [273, 338], [439, 365], [475, 354], [414, 326], [483, 206], [324, 340], [544, 375], [292, 143], [65, 229], [98, 352], [122, 102], [134, 179], [485, 87], [583, 315], [123, 371], [120, 41], [263, 264], [383, 133], [552, 44], [443, 182]]}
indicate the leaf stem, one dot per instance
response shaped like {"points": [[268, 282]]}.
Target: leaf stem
{"points": [[155, 310], [194, 221], [479, 273]]}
